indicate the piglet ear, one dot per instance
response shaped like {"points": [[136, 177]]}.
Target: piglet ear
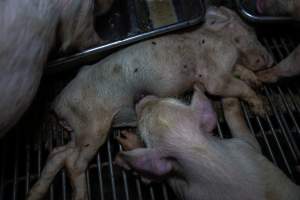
{"points": [[146, 161], [216, 19], [203, 110]]}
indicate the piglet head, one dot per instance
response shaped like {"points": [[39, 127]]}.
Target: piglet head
{"points": [[229, 26], [164, 125]]}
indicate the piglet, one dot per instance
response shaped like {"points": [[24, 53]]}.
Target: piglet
{"points": [[104, 94], [289, 66], [29, 28], [180, 148]]}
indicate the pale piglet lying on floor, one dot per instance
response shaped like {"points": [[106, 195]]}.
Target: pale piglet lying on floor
{"points": [[290, 66], [180, 148], [103, 95], [29, 30]]}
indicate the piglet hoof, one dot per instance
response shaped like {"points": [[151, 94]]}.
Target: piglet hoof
{"points": [[129, 140], [258, 107], [268, 76], [255, 82]]}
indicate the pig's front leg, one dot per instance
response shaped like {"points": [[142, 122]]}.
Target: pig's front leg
{"points": [[288, 67], [247, 76], [235, 120], [228, 86]]}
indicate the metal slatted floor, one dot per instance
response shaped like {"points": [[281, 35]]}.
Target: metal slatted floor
{"points": [[24, 151]]}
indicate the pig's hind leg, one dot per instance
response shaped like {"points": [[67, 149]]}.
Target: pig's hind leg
{"points": [[236, 122], [55, 162], [228, 86], [75, 156], [87, 145]]}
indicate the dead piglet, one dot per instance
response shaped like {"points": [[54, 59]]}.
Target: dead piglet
{"points": [[181, 149], [103, 95]]}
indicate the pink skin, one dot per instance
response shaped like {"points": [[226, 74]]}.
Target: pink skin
{"points": [[180, 149], [28, 33], [102, 96], [288, 67]]}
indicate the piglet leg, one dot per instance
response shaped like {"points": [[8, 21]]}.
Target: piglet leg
{"points": [[247, 76], [55, 162], [236, 122], [88, 143], [286, 68], [230, 86]]}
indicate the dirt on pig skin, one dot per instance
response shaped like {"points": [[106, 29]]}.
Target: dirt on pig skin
{"points": [[103, 95]]}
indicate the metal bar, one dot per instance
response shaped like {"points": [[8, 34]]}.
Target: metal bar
{"points": [[113, 184], [220, 130], [53, 130], [266, 139], [16, 164], [283, 125], [27, 182], [39, 156], [260, 19], [262, 132], [61, 64], [124, 176], [63, 173], [88, 184], [287, 51], [275, 135], [152, 193], [294, 122], [99, 169], [3, 166], [165, 192], [138, 187], [287, 134], [291, 95]]}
